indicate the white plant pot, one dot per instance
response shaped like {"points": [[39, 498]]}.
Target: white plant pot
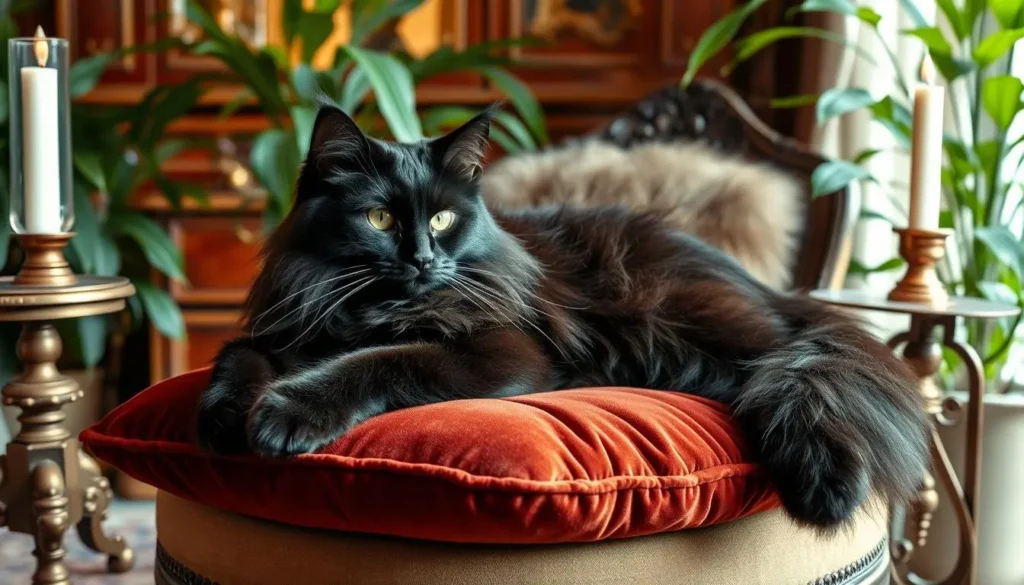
{"points": [[1001, 512]]}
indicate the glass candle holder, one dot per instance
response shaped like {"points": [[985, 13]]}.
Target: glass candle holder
{"points": [[41, 195]]}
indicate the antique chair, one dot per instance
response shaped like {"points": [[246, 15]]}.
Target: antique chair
{"points": [[235, 521]]}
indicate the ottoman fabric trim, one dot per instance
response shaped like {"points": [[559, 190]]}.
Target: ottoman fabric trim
{"points": [[765, 549]]}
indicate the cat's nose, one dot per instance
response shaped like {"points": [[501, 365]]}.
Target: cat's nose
{"points": [[423, 261]]}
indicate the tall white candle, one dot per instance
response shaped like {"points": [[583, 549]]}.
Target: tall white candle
{"points": [[40, 143], [926, 153]]}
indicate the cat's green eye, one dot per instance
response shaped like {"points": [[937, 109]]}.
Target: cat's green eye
{"points": [[442, 221], [380, 219]]}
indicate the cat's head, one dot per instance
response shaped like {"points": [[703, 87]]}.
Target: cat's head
{"points": [[410, 212]]}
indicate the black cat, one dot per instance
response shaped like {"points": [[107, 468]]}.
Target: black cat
{"points": [[391, 285]]}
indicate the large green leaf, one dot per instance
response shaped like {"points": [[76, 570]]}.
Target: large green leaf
{"points": [[291, 14], [87, 230], [440, 119], [108, 256], [161, 309], [88, 164], [846, 7], [517, 130], [366, 20], [92, 338], [941, 52], [1009, 13], [394, 91], [274, 158], [999, 292], [957, 21], [749, 46], [314, 30], [305, 82], [522, 99], [716, 37], [303, 118], [84, 74], [895, 117], [1004, 246], [994, 46], [447, 60], [354, 90], [1001, 97], [154, 242], [838, 101], [914, 13], [831, 176]]}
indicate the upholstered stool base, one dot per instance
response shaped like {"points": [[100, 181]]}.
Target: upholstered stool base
{"points": [[202, 545]]}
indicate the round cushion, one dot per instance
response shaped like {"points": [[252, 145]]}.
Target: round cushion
{"points": [[569, 466], [201, 545]]}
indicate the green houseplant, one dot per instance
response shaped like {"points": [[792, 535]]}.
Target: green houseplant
{"points": [[984, 204], [980, 175], [115, 150], [288, 94]]}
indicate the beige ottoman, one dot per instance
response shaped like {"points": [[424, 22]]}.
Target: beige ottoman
{"points": [[200, 545]]}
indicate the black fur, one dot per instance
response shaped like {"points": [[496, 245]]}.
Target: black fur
{"points": [[344, 324]]}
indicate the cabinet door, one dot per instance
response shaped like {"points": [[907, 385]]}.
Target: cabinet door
{"points": [[101, 26], [603, 51], [206, 332], [221, 259]]}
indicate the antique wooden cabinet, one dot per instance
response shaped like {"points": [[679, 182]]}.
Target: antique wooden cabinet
{"points": [[599, 56]]}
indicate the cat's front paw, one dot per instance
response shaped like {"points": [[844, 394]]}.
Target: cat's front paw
{"points": [[280, 426]]}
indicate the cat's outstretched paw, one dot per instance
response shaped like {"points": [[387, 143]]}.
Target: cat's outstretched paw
{"points": [[279, 426]]}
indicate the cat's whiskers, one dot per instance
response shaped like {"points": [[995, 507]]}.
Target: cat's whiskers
{"points": [[365, 282], [330, 293], [298, 292], [470, 285], [465, 289], [507, 279], [495, 295]]}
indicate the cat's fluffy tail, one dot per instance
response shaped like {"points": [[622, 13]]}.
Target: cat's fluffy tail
{"points": [[836, 417]]}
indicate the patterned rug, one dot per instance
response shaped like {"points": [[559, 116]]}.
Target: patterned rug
{"points": [[136, 521]]}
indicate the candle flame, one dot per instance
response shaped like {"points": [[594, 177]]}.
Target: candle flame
{"points": [[41, 47], [928, 70]]}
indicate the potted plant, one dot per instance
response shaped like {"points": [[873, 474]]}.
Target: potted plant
{"points": [[115, 150], [983, 200], [287, 92]]}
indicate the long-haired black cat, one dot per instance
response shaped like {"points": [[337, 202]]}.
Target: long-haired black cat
{"points": [[391, 285]]}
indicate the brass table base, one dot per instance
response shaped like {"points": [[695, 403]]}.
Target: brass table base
{"points": [[922, 351], [47, 485]]}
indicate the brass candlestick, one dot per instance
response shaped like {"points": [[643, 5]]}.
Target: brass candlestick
{"points": [[48, 485], [44, 263], [922, 249]]}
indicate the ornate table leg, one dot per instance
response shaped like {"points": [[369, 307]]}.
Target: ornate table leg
{"points": [[50, 505], [97, 497], [40, 488], [923, 352]]}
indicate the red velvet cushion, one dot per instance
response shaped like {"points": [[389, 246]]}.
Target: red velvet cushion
{"points": [[569, 466]]}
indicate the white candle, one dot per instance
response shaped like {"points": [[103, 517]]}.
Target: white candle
{"points": [[40, 143], [926, 152]]}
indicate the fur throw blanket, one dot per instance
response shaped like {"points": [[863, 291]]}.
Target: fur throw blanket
{"points": [[748, 210]]}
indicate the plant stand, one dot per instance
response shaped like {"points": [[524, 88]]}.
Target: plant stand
{"points": [[923, 352], [48, 485]]}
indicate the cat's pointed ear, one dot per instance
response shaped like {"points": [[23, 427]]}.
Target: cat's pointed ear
{"points": [[462, 150], [335, 136]]}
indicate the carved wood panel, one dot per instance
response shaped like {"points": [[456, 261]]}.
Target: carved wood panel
{"points": [[101, 26]]}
